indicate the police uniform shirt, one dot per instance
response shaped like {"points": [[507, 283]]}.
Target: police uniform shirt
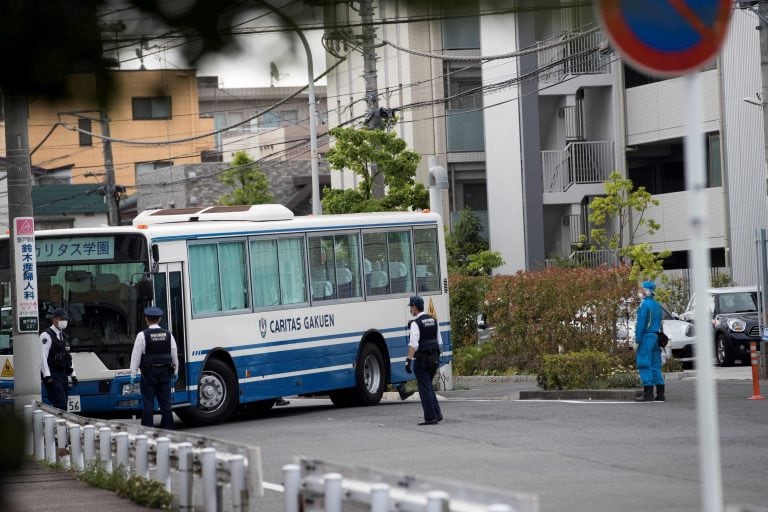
{"points": [[416, 334], [138, 350], [46, 340]]}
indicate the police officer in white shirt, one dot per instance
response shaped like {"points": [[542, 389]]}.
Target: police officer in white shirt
{"points": [[425, 344], [156, 355]]}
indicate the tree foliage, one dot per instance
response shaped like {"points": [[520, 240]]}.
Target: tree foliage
{"points": [[619, 218], [370, 153], [468, 251], [250, 184]]}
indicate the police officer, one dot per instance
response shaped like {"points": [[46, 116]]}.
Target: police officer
{"points": [[649, 322], [156, 355], [424, 345], [56, 361]]}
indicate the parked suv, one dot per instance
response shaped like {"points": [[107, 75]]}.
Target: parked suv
{"points": [[735, 320]]}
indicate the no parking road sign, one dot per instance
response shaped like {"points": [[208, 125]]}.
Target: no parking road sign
{"points": [[666, 37]]}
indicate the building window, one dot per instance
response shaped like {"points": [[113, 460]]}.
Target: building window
{"points": [[86, 139], [152, 108], [714, 171], [279, 118], [461, 33], [152, 166]]}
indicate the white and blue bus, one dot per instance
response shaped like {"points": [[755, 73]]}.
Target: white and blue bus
{"points": [[262, 304]]}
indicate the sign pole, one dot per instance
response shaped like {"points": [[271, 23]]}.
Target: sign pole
{"points": [[706, 398]]}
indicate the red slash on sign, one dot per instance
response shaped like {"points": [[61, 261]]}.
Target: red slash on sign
{"points": [[666, 37]]}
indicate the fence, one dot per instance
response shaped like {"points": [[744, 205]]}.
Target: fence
{"points": [[193, 468], [198, 471]]}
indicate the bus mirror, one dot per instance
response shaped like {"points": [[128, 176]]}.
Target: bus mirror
{"points": [[155, 257], [144, 290]]}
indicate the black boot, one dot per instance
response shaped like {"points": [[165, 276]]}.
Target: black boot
{"points": [[660, 393], [647, 395]]}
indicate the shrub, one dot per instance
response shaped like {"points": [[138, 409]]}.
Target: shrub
{"points": [[148, 493], [557, 310], [467, 294], [588, 369]]}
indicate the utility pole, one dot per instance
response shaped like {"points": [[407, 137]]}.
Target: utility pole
{"points": [[110, 192], [373, 117], [762, 15], [26, 347]]}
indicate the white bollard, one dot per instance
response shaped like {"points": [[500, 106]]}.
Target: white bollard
{"points": [[29, 449], [140, 454], [255, 475], [437, 501], [291, 485], [380, 497], [37, 426], [61, 443], [50, 439], [163, 461], [499, 507], [185, 476], [208, 462], [237, 482], [332, 489], [75, 448], [121, 444], [89, 444], [105, 448]]}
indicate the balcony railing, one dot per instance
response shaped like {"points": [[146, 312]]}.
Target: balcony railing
{"points": [[594, 258], [578, 163], [577, 225], [578, 54], [574, 126], [465, 130]]}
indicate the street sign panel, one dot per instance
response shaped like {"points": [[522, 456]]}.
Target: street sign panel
{"points": [[666, 38], [26, 268]]}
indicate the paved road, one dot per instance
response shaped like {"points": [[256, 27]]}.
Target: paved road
{"points": [[575, 456]]}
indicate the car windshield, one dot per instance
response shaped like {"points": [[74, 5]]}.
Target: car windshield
{"points": [[740, 302]]}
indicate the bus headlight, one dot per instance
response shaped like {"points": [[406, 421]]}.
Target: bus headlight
{"points": [[131, 389]]}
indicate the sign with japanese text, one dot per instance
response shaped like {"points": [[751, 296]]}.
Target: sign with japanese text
{"points": [[26, 274], [75, 249]]}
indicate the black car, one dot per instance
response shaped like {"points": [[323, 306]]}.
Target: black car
{"points": [[735, 319]]}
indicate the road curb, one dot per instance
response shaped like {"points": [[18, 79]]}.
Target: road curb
{"points": [[616, 395]]}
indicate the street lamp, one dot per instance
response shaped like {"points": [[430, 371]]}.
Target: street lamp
{"points": [[316, 207]]}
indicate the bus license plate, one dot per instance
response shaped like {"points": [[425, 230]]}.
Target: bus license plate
{"points": [[73, 403]]}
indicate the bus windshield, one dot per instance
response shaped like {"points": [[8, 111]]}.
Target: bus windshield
{"points": [[103, 299]]}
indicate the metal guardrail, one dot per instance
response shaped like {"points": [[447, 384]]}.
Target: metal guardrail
{"points": [[313, 485], [188, 466], [578, 163]]}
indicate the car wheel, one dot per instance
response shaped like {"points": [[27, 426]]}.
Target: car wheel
{"points": [[216, 396], [722, 351]]}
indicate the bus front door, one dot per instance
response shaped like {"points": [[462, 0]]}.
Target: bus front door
{"points": [[169, 295]]}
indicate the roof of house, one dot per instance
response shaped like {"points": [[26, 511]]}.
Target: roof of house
{"points": [[67, 199]]}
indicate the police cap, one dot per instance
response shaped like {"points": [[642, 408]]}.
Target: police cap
{"points": [[153, 312], [59, 313], [416, 301]]}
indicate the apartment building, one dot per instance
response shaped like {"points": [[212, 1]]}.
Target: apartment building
{"points": [[269, 122], [530, 131], [146, 106]]}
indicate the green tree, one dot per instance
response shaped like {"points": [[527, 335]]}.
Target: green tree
{"points": [[468, 251], [358, 151], [619, 218], [250, 184]]}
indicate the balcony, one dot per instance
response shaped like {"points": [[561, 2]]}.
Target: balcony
{"points": [[465, 130], [578, 170], [572, 53]]}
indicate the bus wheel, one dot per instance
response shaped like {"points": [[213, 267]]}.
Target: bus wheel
{"points": [[370, 378], [216, 396]]}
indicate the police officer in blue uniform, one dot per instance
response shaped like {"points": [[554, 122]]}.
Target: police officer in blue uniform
{"points": [[649, 322], [56, 361], [156, 355], [424, 345]]}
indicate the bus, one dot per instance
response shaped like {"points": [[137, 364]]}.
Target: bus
{"points": [[262, 304]]}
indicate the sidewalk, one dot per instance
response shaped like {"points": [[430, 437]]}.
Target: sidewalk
{"points": [[36, 488]]}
